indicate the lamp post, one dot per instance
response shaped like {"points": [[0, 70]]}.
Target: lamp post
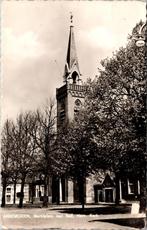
{"points": [[141, 41]]}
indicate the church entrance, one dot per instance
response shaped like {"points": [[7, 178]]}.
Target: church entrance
{"points": [[55, 190], [109, 195], [64, 189], [78, 191], [59, 190]]}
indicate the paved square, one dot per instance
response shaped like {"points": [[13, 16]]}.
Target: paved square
{"points": [[51, 218]]}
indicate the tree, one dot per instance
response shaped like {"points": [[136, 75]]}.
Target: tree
{"points": [[6, 151], [116, 108], [14, 177], [80, 151], [44, 136], [24, 154]]}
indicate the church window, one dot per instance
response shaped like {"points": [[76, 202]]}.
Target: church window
{"points": [[8, 198], [62, 115], [131, 187], [74, 77], [62, 105], [25, 188], [62, 111], [8, 190]]}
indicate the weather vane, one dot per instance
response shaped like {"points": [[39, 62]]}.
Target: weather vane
{"points": [[71, 17]]}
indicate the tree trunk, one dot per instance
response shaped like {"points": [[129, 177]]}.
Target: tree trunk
{"points": [[117, 199], [143, 188], [83, 194], [143, 196], [81, 184], [4, 192], [14, 196], [58, 191], [32, 193], [22, 192], [45, 198]]}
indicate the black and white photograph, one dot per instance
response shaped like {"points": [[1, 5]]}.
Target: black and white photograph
{"points": [[73, 115]]}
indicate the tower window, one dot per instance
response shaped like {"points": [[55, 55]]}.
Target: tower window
{"points": [[62, 111], [74, 77], [62, 115], [76, 112], [78, 104]]}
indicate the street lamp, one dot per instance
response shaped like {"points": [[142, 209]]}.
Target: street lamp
{"points": [[140, 41]]}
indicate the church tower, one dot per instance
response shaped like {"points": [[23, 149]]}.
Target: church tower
{"points": [[71, 95]]}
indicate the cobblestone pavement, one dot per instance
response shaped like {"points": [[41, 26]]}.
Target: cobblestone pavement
{"points": [[49, 218]]}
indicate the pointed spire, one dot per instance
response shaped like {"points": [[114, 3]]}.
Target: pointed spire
{"points": [[71, 65]]}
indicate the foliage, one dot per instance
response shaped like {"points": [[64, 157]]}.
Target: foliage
{"points": [[115, 105], [116, 108], [80, 153]]}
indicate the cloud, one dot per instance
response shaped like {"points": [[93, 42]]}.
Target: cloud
{"points": [[98, 37], [21, 46]]}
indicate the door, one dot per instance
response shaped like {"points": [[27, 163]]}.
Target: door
{"points": [[55, 190], [108, 195]]}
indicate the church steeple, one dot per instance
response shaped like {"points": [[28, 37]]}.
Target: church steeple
{"points": [[71, 71], [71, 94]]}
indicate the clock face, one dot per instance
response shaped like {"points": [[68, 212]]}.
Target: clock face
{"points": [[78, 102]]}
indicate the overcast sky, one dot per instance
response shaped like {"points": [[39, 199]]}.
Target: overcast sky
{"points": [[34, 44]]}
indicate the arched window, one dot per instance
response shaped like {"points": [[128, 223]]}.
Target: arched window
{"points": [[74, 77]]}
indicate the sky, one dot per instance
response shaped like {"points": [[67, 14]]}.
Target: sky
{"points": [[34, 39]]}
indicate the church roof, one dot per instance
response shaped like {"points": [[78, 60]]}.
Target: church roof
{"points": [[71, 59], [106, 181]]}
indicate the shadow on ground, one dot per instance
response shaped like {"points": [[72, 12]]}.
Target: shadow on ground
{"points": [[130, 222], [121, 209]]}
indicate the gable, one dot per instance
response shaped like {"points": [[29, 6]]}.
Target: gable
{"points": [[108, 182]]}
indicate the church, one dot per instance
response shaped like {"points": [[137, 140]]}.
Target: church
{"points": [[70, 97]]}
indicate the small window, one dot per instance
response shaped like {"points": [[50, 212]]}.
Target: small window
{"points": [[76, 110], [138, 186], [8, 198], [8, 190], [25, 188], [62, 115], [131, 187], [63, 105]]}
